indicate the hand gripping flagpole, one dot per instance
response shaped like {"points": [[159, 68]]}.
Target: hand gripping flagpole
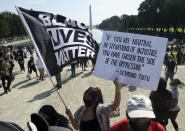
{"points": [[37, 50]]}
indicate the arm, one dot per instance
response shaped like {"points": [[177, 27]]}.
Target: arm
{"points": [[117, 97], [175, 69], [71, 118]]}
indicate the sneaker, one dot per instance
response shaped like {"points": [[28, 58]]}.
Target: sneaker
{"points": [[9, 90]]}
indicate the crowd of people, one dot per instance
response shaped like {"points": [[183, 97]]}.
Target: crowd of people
{"points": [[143, 113], [9, 55]]}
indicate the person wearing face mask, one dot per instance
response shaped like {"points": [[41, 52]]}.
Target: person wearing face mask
{"points": [[174, 85], [139, 113], [94, 115]]}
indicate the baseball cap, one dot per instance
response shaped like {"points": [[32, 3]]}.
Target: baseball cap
{"points": [[140, 106]]}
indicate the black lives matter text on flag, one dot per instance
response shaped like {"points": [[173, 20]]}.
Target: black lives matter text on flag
{"points": [[59, 40]]}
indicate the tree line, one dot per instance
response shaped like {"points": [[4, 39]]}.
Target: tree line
{"points": [[10, 26], [155, 17]]}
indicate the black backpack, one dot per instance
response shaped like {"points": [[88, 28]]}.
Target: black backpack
{"points": [[7, 126]]}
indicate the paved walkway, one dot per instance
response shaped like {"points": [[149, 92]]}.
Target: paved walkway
{"points": [[27, 96]]}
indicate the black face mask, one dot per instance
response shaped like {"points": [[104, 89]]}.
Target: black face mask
{"points": [[87, 103], [138, 127]]}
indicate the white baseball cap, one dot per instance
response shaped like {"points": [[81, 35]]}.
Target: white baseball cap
{"points": [[140, 106]]}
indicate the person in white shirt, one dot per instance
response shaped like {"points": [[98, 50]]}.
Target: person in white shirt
{"points": [[40, 68], [174, 85]]}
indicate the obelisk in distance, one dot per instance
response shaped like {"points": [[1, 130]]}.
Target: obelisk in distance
{"points": [[90, 18]]}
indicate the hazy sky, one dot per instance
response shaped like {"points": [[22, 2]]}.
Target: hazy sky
{"points": [[77, 9]]}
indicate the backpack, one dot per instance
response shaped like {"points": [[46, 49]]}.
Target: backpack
{"points": [[7, 126]]}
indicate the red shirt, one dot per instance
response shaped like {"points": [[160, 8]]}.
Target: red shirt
{"points": [[123, 125]]}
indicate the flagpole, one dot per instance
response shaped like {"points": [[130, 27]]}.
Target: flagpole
{"points": [[58, 93], [37, 50]]}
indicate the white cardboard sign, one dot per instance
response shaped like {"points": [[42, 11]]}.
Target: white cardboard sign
{"points": [[135, 59]]}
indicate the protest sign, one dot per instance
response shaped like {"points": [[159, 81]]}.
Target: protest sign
{"points": [[135, 59]]}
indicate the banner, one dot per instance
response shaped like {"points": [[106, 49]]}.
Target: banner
{"points": [[58, 39], [135, 59]]}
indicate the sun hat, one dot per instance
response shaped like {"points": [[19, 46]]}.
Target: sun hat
{"points": [[140, 106]]}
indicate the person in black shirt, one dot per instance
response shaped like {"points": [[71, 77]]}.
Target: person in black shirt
{"points": [[31, 66], [170, 67], [94, 115], [166, 59], [20, 59], [161, 102], [15, 55]]}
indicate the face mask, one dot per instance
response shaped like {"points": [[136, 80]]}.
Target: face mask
{"points": [[87, 103], [139, 127], [172, 87]]}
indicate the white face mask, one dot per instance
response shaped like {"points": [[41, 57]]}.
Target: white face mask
{"points": [[172, 87]]}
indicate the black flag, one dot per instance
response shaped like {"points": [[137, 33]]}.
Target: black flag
{"points": [[58, 39]]}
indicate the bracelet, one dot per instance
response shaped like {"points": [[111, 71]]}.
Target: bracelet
{"points": [[117, 90]]}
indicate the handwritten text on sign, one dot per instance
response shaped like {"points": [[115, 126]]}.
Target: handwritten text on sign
{"points": [[135, 59]]}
